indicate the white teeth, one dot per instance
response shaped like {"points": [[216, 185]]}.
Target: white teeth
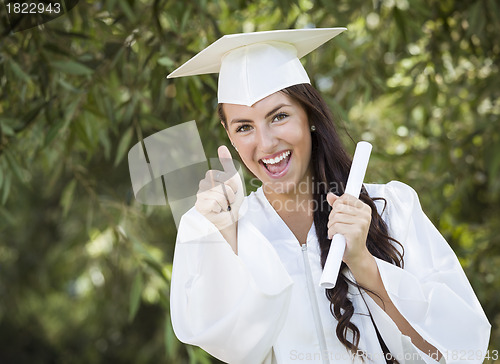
{"points": [[277, 159]]}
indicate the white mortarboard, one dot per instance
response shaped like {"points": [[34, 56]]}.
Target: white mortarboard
{"points": [[252, 66]]}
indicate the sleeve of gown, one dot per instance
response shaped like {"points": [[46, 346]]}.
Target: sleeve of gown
{"points": [[431, 292], [232, 306]]}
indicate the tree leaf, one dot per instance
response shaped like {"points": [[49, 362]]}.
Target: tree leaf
{"points": [[18, 71], [171, 341], [110, 112], [110, 5], [135, 295], [7, 130], [117, 57], [6, 188], [123, 146], [79, 127], [70, 111], [63, 123], [400, 22], [14, 166], [33, 113], [130, 108], [127, 10], [494, 12], [106, 144], [71, 67], [476, 19], [69, 87], [68, 196], [53, 131], [7, 216], [157, 267], [185, 19], [166, 61]]}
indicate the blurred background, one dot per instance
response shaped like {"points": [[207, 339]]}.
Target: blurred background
{"points": [[85, 269]]}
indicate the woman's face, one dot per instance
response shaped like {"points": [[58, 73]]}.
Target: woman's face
{"points": [[273, 140]]}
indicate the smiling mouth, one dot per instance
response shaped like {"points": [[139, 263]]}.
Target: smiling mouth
{"points": [[278, 165]]}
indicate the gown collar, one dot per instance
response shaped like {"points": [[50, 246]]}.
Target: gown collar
{"points": [[276, 219]]}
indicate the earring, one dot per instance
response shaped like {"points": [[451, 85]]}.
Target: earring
{"points": [[313, 128]]}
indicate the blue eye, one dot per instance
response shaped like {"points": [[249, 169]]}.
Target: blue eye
{"points": [[243, 128], [280, 116]]}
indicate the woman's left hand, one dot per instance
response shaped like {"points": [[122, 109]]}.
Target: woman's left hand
{"points": [[350, 217]]}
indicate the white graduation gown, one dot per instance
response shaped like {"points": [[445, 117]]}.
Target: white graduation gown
{"points": [[254, 307]]}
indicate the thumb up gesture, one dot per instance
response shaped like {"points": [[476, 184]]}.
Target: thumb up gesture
{"points": [[220, 193]]}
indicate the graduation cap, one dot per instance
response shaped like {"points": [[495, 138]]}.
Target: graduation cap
{"points": [[252, 66]]}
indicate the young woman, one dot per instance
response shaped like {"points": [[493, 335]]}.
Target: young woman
{"points": [[246, 269]]}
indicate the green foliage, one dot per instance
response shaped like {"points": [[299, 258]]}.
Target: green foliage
{"points": [[86, 269]]}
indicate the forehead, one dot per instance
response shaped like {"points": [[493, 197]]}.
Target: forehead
{"points": [[260, 108]]}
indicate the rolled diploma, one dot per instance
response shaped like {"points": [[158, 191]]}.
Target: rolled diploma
{"points": [[353, 187]]}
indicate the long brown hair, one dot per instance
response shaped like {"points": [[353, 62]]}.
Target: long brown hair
{"points": [[331, 165]]}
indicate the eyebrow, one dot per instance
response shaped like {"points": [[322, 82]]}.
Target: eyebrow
{"points": [[267, 115]]}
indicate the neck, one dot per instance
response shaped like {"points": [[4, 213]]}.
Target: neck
{"points": [[291, 199]]}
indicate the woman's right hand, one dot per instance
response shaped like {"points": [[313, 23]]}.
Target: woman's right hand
{"points": [[220, 193]]}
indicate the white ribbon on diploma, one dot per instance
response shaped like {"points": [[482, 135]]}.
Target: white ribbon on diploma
{"points": [[354, 183]]}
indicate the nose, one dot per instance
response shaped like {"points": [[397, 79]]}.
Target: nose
{"points": [[267, 139]]}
